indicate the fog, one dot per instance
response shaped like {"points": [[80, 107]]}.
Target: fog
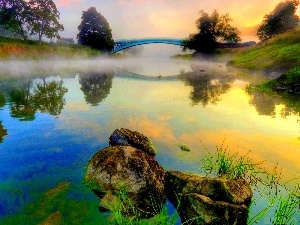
{"points": [[153, 60]]}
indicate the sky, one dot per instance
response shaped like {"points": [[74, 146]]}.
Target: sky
{"points": [[130, 19]]}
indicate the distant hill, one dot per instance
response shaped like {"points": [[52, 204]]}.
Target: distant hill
{"points": [[280, 52]]}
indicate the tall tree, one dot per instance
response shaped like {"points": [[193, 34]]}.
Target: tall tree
{"points": [[43, 19], [13, 16], [280, 20], [212, 29], [94, 31]]}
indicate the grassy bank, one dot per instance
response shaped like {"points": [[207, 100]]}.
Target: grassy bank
{"points": [[281, 52], [23, 50], [288, 83]]}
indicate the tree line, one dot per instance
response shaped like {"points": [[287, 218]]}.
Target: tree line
{"points": [[40, 17], [36, 17], [216, 28]]}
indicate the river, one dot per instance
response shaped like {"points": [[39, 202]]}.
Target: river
{"points": [[54, 117]]}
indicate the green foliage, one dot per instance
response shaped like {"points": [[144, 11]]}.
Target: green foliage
{"points": [[280, 52], [94, 31], [212, 28], [279, 21], [43, 19], [40, 17], [13, 16], [288, 83]]}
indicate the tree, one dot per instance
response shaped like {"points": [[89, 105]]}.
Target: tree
{"points": [[13, 16], [212, 29], [43, 19], [94, 31], [280, 20]]}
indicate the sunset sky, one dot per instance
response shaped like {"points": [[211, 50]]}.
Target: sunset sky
{"points": [[163, 18]]}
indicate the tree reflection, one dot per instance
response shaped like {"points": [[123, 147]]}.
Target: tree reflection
{"points": [[2, 100], [3, 132], [265, 104], [45, 97], [96, 86], [48, 97], [207, 88], [22, 105]]}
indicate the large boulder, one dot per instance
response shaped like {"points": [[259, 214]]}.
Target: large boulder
{"points": [[204, 200], [127, 175], [132, 138]]}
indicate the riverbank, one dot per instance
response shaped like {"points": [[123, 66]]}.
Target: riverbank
{"points": [[11, 49], [279, 53]]}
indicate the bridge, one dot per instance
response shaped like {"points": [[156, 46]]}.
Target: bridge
{"points": [[123, 44]]}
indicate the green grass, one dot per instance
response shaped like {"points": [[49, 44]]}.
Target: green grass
{"points": [[287, 207], [285, 83], [223, 164], [280, 52], [23, 50], [123, 212], [282, 201]]}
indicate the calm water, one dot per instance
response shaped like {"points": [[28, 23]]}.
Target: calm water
{"points": [[55, 117]]}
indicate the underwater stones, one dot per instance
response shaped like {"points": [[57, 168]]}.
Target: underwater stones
{"points": [[132, 138], [204, 200], [131, 172]]}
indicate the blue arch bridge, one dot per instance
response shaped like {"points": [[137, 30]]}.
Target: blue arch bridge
{"points": [[123, 44]]}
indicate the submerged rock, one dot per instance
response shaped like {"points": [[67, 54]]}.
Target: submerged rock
{"points": [[204, 200], [127, 175], [132, 138]]}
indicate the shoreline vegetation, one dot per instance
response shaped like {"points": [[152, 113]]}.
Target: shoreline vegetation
{"points": [[12, 49]]}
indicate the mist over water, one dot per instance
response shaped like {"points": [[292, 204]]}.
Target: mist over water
{"points": [[153, 60]]}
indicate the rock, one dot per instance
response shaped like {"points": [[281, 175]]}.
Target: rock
{"points": [[132, 138], [211, 200], [129, 176], [200, 210]]}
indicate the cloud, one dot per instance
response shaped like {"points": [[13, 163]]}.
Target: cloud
{"points": [[135, 2], [64, 3]]}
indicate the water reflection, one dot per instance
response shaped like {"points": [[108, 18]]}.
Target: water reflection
{"points": [[96, 86], [3, 132], [2, 100], [91, 105], [207, 88], [265, 104], [47, 97], [22, 105]]}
